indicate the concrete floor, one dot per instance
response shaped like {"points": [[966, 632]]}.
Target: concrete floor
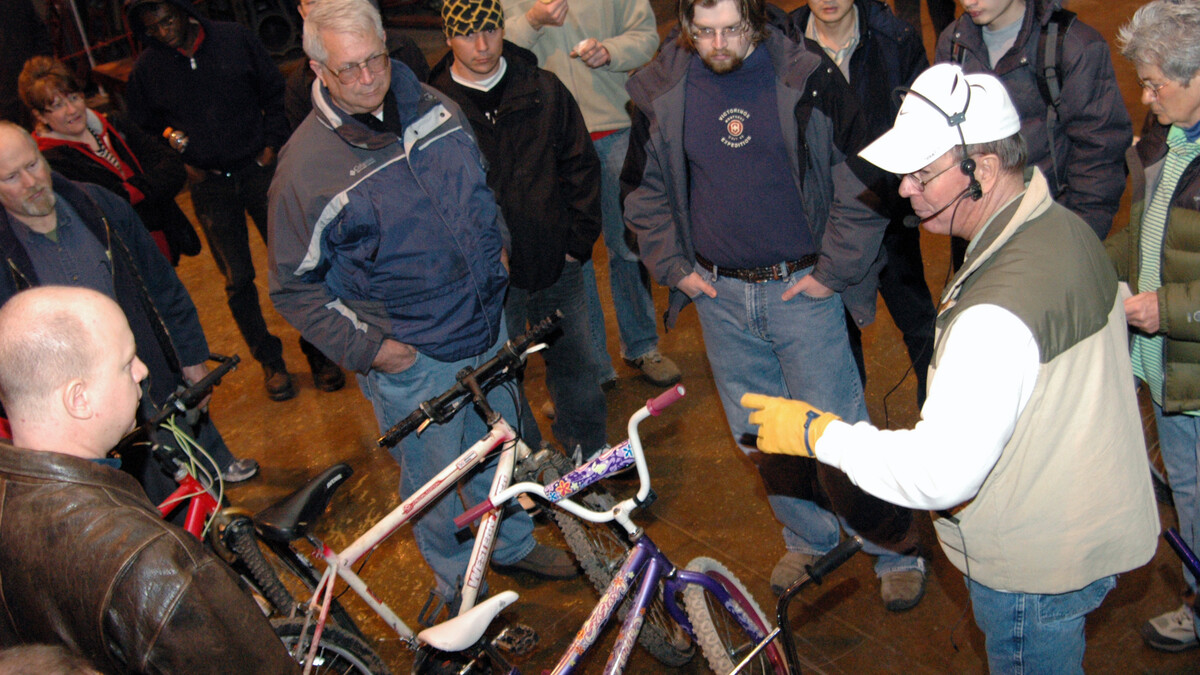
{"points": [[710, 503]]}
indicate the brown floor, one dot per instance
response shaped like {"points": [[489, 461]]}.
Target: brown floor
{"points": [[710, 500]]}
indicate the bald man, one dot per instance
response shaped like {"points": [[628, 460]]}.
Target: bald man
{"points": [[87, 562], [57, 232]]}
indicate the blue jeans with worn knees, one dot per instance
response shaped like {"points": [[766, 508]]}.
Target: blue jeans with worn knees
{"points": [[1179, 439], [572, 375], [394, 396], [632, 302], [221, 203], [1032, 633], [797, 349]]}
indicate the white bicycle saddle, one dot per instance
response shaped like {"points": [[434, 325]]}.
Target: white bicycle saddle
{"points": [[465, 629]]}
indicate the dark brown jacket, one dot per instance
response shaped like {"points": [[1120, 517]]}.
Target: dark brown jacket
{"points": [[86, 562]]}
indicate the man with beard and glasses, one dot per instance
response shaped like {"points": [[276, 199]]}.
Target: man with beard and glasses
{"points": [[744, 189]]}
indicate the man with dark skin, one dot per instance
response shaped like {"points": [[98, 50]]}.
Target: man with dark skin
{"points": [[214, 82]]}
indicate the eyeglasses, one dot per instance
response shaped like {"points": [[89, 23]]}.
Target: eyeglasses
{"points": [[1152, 87], [350, 73], [62, 102], [727, 33], [922, 183], [162, 24]]}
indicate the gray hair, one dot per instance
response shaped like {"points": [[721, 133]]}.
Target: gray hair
{"points": [[357, 17], [1164, 34], [1012, 151], [43, 344]]}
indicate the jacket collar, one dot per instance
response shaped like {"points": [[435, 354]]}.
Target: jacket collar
{"points": [[57, 467], [1002, 226], [1037, 14], [520, 80], [405, 88]]}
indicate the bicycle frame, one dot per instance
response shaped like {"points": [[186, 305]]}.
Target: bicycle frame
{"points": [[338, 565], [644, 560], [647, 562], [200, 504]]}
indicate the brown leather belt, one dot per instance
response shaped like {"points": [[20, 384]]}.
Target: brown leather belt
{"points": [[758, 275]]}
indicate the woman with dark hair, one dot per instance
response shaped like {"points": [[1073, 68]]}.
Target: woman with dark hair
{"points": [[109, 151]]}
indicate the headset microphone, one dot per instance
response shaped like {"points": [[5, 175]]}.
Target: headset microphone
{"points": [[973, 190]]}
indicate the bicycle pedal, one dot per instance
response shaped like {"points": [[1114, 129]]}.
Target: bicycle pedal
{"points": [[516, 639]]}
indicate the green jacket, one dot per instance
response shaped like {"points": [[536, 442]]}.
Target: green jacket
{"points": [[1179, 295]]}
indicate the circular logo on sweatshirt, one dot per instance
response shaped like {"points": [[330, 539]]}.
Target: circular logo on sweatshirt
{"points": [[735, 120]]}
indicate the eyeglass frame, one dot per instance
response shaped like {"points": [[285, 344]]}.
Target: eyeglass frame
{"points": [[1151, 87], [72, 97], [355, 70], [727, 33], [922, 183]]}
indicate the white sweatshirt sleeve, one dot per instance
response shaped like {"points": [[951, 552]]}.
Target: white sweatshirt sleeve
{"points": [[984, 378]]}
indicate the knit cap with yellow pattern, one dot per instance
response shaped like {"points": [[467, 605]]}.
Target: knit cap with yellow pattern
{"points": [[464, 17]]}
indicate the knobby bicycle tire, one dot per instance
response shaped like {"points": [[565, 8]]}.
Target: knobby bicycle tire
{"points": [[243, 544], [337, 652], [600, 549], [721, 638], [298, 574]]}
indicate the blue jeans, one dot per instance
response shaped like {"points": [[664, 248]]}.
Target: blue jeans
{"points": [[221, 203], [571, 372], [1179, 439], [797, 349], [394, 396], [1031, 633], [632, 301]]}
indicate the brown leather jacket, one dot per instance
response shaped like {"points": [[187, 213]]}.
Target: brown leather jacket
{"points": [[85, 561]]}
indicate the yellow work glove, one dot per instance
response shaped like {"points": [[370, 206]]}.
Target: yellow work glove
{"points": [[786, 427]]}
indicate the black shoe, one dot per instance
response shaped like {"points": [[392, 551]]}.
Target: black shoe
{"points": [[543, 562], [278, 383], [327, 376]]}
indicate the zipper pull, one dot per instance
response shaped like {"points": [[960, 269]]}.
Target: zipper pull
{"points": [[192, 59]]}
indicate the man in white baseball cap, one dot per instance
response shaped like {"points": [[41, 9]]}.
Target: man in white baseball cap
{"points": [[1031, 425]]}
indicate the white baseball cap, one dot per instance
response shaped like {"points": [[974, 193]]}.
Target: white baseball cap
{"points": [[944, 107]]}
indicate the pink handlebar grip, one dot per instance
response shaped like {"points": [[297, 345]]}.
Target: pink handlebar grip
{"points": [[474, 513], [658, 403]]}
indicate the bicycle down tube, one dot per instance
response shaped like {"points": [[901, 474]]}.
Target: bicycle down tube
{"points": [[339, 564]]}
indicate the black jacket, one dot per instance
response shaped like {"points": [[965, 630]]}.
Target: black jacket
{"points": [[889, 55], [1093, 131], [542, 167], [227, 98], [158, 176], [88, 563], [161, 315]]}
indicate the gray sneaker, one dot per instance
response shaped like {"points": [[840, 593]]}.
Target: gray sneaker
{"points": [[1174, 631], [788, 570], [658, 369], [240, 470]]}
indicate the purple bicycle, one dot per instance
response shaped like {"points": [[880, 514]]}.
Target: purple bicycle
{"points": [[717, 611]]}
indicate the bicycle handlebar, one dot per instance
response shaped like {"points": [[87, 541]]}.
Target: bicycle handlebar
{"points": [[657, 404], [472, 383], [188, 398], [604, 464]]}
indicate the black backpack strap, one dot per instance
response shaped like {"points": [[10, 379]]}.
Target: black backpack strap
{"points": [[1049, 77], [1049, 56]]}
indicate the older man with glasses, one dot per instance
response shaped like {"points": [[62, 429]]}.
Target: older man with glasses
{"points": [[1029, 450], [1156, 254], [387, 250]]}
